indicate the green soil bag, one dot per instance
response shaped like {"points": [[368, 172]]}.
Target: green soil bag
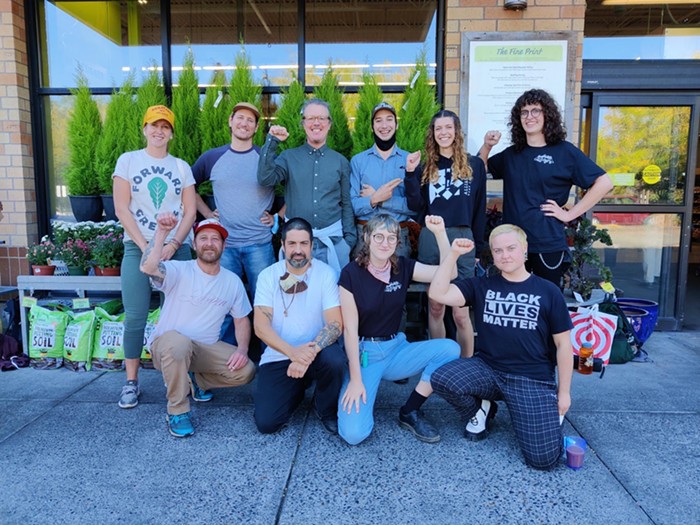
{"points": [[77, 343], [46, 331], [151, 321], [108, 347]]}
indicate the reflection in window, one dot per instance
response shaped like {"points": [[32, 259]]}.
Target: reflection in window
{"points": [[644, 256], [347, 34], [214, 30], [107, 39], [645, 151]]}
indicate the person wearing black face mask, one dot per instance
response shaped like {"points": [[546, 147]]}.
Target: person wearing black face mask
{"points": [[376, 179]]}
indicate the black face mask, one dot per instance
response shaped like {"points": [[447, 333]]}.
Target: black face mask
{"points": [[384, 145]]}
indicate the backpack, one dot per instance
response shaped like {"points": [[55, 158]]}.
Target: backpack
{"points": [[625, 343]]}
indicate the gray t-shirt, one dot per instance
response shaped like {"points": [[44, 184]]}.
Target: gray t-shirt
{"points": [[239, 198]]}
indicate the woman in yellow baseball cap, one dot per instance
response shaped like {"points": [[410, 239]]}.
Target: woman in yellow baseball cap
{"points": [[147, 182]]}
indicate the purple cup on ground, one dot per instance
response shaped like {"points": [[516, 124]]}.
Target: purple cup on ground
{"points": [[574, 457]]}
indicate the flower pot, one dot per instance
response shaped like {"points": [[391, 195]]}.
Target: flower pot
{"points": [[86, 207], [76, 270], [41, 269], [108, 205], [110, 272], [98, 270]]}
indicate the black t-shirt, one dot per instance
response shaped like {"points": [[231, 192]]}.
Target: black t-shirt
{"points": [[458, 202], [532, 176], [515, 323], [379, 305]]}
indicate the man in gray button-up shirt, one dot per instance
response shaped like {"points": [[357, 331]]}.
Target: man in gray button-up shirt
{"points": [[317, 184]]}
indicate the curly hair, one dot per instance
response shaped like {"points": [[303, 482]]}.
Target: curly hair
{"points": [[554, 131], [378, 221], [460, 158]]}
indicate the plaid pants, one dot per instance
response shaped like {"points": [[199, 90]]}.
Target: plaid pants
{"points": [[532, 404]]}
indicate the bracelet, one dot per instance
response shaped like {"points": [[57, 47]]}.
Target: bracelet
{"points": [[178, 244]]}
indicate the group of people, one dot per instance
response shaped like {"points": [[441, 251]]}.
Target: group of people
{"points": [[331, 309]]}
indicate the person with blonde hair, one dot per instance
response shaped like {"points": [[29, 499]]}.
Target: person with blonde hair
{"points": [[451, 184], [524, 335]]}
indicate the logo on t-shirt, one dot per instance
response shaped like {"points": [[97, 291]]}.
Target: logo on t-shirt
{"points": [[446, 187], [544, 159], [512, 310], [392, 287]]}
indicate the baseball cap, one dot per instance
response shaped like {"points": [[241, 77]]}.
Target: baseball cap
{"points": [[155, 113], [383, 105], [249, 107], [213, 224]]}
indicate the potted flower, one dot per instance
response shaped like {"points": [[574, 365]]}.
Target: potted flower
{"points": [[107, 251], [76, 254], [40, 255]]}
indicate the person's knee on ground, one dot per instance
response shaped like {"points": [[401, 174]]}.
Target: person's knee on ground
{"points": [[268, 425], [353, 434], [545, 459]]}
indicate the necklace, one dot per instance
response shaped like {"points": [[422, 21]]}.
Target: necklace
{"points": [[298, 286]]}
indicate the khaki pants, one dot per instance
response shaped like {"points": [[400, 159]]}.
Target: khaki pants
{"points": [[175, 354]]}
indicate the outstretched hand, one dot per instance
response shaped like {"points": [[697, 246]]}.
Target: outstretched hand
{"points": [[435, 224], [462, 246], [412, 161]]}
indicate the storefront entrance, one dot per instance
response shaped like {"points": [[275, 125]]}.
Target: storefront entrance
{"points": [[648, 144]]}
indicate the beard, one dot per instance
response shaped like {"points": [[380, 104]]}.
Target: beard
{"points": [[297, 263], [208, 255]]}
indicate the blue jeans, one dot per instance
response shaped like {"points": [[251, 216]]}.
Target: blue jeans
{"points": [[391, 360], [248, 261]]}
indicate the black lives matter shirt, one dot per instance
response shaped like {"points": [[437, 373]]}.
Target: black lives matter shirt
{"points": [[379, 305], [515, 323]]}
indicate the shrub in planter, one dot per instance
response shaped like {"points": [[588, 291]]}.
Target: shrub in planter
{"points": [[418, 107], [289, 115], [213, 121], [339, 137], [244, 89], [370, 95], [107, 250], [186, 141]]}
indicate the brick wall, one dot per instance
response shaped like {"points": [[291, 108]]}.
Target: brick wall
{"points": [[18, 226], [474, 16]]}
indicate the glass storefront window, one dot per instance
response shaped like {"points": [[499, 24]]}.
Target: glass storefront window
{"points": [[381, 37], [644, 149], [58, 111], [107, 39], [671, 47], [644, 256], [215, 29]]}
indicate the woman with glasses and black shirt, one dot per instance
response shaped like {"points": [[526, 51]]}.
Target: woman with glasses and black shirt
{"points": [[538, 171], [373, 291]]}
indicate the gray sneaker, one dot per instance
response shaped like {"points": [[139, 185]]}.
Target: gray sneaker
{"points": [[130, 395]]}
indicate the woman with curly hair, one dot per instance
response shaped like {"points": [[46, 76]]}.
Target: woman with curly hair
{"points": [[538, 171], [451, 184], [373, 291]]}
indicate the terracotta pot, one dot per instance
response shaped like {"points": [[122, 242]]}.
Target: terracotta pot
{"points": [[111, 272], [43, 269], [98, 270]]}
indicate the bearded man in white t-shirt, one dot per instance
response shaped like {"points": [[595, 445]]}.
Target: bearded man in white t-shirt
{"points": [[198, 295]]}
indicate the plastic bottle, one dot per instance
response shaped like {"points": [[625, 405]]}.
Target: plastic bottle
{"points": [[585, 359]]}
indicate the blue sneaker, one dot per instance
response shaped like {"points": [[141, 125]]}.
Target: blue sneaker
{"points": [[199, 394], [180, 425]]}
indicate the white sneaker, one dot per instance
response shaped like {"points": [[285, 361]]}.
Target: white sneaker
{"points": [[478, 426]]}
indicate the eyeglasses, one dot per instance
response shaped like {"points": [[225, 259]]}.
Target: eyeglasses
{"points": [[534, 113], [322, 120], [379, 238]]}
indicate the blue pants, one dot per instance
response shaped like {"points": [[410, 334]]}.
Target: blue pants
{"points": [[532, 404], [248, 261], [392, 360], [277, 395]]}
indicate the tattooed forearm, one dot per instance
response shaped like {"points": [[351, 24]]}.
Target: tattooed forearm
{"points": [[146, 254], [328, 335], [159, 277]]}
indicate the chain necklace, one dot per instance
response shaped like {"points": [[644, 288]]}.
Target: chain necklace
{"points": [[293, 294]]}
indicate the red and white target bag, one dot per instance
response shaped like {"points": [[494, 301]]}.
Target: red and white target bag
{"points": [[594, 327]]}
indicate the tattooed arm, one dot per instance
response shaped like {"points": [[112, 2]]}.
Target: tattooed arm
{"points": [[151, 263], [330, 333]]}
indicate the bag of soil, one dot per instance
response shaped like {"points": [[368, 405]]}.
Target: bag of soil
{"points": [[46, 331], [108, 347], [77, 343]]}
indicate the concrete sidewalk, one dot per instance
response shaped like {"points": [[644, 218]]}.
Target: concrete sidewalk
{"points": [[71, 456]]}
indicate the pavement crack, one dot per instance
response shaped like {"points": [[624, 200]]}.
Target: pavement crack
{"points": [[292, 464]]}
